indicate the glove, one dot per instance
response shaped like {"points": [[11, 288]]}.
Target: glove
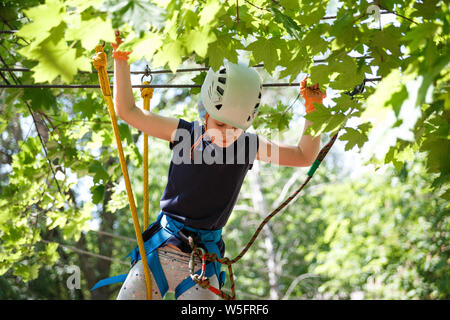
{"points": [[311, 94], [119, 55]]}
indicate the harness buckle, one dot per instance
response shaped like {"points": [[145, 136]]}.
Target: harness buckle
{"points": [[192, 239]]}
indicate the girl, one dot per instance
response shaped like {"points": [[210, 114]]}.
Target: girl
{"points": [[208, 166]]}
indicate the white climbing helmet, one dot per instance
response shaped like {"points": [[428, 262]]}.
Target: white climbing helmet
{"points": [[232, 95]]}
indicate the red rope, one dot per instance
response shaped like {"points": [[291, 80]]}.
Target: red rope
{"points": [[204, 282]]}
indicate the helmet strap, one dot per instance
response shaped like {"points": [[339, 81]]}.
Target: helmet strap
{"points": [[201, 137]]}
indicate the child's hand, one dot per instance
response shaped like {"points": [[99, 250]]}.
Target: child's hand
{"points": [[119, 55], [311, 94]]}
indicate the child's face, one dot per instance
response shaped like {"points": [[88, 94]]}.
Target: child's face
{"points": [[224, 134]]}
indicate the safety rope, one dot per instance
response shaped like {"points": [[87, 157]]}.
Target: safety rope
{"points": [[146, 94], [203, 281], [99, 61]]}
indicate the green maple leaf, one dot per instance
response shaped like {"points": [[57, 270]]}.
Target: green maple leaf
{"points": [[44, 17], [319, 118], [397, 99], [170, 53], [98, 192], [265, 50], [142, 47], [208, 13], [402, 152], [125, 133], [140, 14], [311, 12], [438, 149], [390, 157], [189, 19], [388, 38], [320, 74], [198, 40], [98, 171], [87, 106], [224, 47], [82, 30], [418, 35], [26, 272], [288, 23], [55, 59], [335, 122], [40, 98], [273, 117], [215, 55], [293, 59], [344, 102], [198, 79], [354, 137], [347, 73], [314, 42]]}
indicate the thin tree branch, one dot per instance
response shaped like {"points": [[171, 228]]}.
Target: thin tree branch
{"points": [[296, 281], [244, 208], [255, 6], [293, 179], [237, 12], [398, 15], [80, 251]]}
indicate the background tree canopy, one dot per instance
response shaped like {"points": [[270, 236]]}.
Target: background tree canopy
{"points": [[381, 233]]}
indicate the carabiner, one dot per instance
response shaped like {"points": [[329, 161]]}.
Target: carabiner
{"points": [[192, 265], [147, 73]]}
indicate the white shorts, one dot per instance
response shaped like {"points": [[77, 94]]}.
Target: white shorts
{"points": [[175, 267]]}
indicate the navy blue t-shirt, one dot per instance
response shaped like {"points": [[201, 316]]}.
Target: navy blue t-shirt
{"points": [[201, 193]]}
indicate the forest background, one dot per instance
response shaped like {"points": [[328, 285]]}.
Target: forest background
{"points": [[373, 223]]}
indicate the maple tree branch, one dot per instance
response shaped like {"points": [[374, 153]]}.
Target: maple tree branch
{"points": [[237, 12], [398, 15]]}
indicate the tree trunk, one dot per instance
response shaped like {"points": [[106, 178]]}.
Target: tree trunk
{"points": [[260, 206]]}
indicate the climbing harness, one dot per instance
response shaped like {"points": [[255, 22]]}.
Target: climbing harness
{"points": [[168, 227]]}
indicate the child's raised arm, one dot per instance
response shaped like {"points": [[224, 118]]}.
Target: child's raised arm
{"points": [[148, 122], [303, 154]]}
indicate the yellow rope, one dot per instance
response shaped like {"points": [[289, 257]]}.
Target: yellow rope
{"points": [[99, 61], [146, 94]]}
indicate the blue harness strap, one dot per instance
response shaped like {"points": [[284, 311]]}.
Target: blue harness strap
{"points": [[106, 282], [170, 227], [207, 237]]}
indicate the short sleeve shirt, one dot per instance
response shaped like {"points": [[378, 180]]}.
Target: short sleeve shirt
{"points": [[201, 193]]}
